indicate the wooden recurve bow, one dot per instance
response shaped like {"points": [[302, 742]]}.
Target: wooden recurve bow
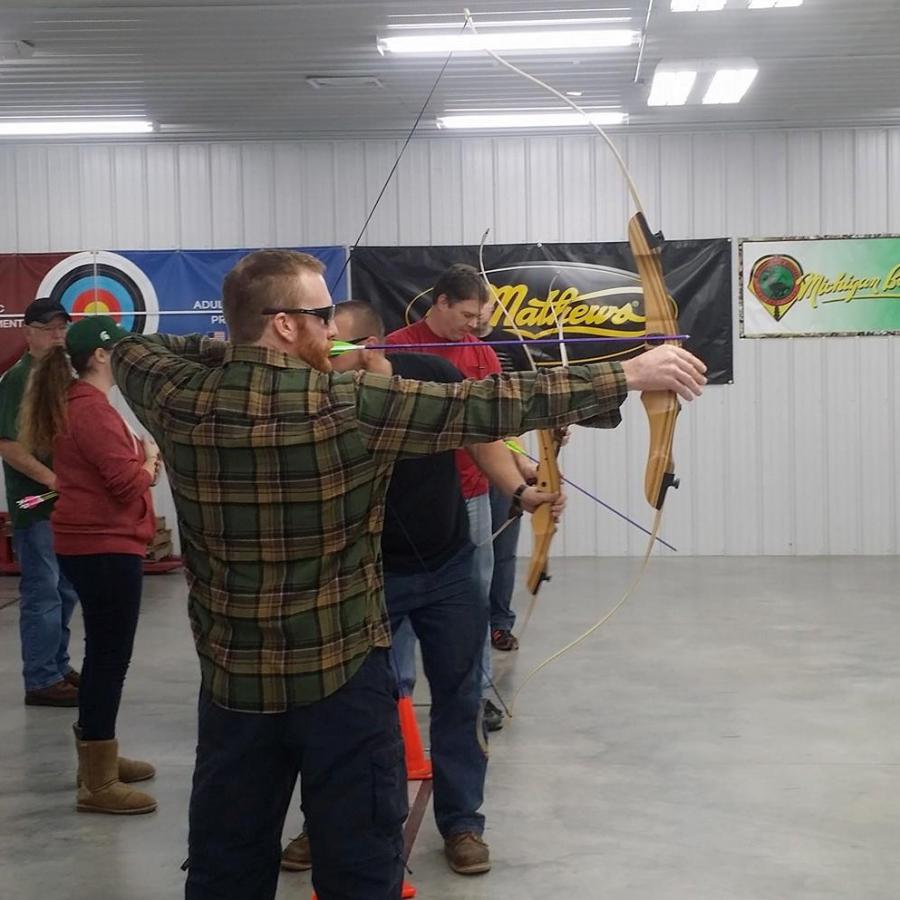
{"points": [[662, 407], [542, 525]]}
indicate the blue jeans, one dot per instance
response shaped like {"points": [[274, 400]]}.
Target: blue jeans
{"points": [[446, 611], [45, 608], [403, 657], [403, 651], [479, 509], [349, 751], [504, 574]]}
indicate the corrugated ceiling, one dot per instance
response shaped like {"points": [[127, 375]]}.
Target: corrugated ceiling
{"points": [[238, 70]]}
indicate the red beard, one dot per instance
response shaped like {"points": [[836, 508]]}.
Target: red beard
{"points": [[314, 351]]}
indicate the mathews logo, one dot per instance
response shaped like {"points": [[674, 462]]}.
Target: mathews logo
{"points": [[775, 281], [580, 300]]}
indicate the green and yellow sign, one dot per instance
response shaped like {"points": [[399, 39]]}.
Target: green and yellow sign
{"points": [[820, 286]]}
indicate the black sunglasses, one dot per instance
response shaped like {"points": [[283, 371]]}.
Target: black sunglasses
{"points": [[325, 313]]}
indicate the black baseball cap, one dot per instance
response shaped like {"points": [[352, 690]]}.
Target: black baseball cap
{"points": [[43, 310]]}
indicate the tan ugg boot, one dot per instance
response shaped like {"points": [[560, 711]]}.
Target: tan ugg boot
{"points": [[101, 791], [130, 770]]}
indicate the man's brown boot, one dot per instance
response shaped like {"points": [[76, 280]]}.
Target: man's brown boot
{"points": [[100, 790], [296, 856], [60, 694], [467, 853], [130, 770]]}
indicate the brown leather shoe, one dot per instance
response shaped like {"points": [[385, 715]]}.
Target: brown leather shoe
{"points": [[296, 856], [60, 694], [73, 678], [467, 853]]}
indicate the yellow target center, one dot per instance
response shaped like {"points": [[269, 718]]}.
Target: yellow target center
{"points": [[96, 308]]}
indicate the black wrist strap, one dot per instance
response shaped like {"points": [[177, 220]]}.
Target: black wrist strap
{"points": [[517, 495]]}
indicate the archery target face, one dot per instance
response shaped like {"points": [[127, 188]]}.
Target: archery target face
{"points": [[104, 283]]}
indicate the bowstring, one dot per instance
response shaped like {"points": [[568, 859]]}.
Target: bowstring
{"points": [[632, 188], [479, 730], [394, 167], [657, 519], [521, 337]]}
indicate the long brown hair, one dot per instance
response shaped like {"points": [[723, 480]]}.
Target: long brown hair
{"points": [[42, 415]]}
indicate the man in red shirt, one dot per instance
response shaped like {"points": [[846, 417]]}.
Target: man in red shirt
{"points": [[458, 298]]}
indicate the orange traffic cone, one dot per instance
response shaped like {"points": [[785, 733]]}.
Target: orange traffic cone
{"points": [[418, 766], [408, 891]]}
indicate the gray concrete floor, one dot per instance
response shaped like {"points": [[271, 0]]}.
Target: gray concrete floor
{"points": [[732, 734]]}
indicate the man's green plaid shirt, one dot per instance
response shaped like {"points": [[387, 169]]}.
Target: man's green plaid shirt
{"points": [[279, 474]]}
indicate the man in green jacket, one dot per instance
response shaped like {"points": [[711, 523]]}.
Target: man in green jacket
{"points": [[46, 597]]}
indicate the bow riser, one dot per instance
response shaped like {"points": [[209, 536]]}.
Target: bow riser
{"points": [[542, 524], [662, 407]]}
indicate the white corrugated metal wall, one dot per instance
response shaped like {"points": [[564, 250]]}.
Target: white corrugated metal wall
{"points": [[797, 457]]}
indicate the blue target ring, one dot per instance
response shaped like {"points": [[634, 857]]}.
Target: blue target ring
{"points": [[101, 288]]}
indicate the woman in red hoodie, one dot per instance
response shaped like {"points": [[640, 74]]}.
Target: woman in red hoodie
{"points": [[102, 523]]}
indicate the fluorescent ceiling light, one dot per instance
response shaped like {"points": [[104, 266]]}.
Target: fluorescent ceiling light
{"points": [[581, 22], [729, 85], [39, 127], [671, 88], [596, 38], [530, 119], [768, 4], [697, 5]]}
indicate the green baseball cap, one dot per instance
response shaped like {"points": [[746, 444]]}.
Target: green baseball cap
{"points": [[91, 333]]}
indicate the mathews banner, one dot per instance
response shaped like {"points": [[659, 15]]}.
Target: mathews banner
{"points": [[589, 290], [176, 291], [793, 287]]}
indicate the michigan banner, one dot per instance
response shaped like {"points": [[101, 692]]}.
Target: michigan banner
{"points": [[580, 290], [793, 287]]}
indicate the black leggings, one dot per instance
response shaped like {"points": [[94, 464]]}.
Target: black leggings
{"points": [[109, 587]]}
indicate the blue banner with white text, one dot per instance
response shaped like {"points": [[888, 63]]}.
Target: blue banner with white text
{"points": [[174, 291]]}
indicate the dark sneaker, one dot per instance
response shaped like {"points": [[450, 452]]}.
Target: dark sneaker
{"points": [[72, 677], [60, 694], [467, 853], [493, 716], [295, 857], [503, 639]]}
